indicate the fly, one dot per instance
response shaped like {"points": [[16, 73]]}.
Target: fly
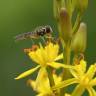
{"points": [[38, 32]]}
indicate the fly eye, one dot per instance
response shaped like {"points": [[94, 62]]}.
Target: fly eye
{"points": [[42, 33], [43, 29]]}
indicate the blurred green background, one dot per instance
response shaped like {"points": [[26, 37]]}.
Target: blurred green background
{"points": [[18, 16]]}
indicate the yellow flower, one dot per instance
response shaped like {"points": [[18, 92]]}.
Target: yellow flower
{"points": [[67, 94], [85, 79], [44, 56], [44, 88]]}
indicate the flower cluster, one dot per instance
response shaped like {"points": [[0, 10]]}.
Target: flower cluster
{"points": [[52, 55]]}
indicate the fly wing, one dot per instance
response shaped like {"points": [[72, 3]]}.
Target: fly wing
{"points": [[19, 37], [27, 35]]}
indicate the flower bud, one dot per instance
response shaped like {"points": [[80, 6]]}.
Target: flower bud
{"points": [[80, 39], [65, 25]]}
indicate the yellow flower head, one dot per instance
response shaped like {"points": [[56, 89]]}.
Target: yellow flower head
{"points": [[85, 79], [44, 88], [44, 56]]}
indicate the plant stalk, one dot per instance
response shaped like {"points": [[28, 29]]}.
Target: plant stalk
{"points": [[51, 80], [66, 74]]}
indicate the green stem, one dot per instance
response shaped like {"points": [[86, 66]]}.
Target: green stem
{"points": [[66, 74], [67, 54], [50, 75], [51, 80]]}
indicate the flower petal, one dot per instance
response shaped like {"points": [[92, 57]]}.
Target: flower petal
{"points": [[91, 91], [91, 71], [41, 94], [67, 94], [26, 73], [57, 78], [55, 65], [44, 54], [83, 66], [79, 70], [52, 51], [33, 56], [60, 65], [65, 83], [32, 84], [59, 57], [79, 90], [93, 82], [42, 82], [36, 56], [42, 75], [74, 73]]}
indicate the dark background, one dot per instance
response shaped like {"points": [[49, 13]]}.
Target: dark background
{"points": [[18, 16]]}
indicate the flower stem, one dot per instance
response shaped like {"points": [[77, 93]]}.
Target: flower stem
{"points": [[50, 75], [66, 74], [67, 54], [51, 80]]}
